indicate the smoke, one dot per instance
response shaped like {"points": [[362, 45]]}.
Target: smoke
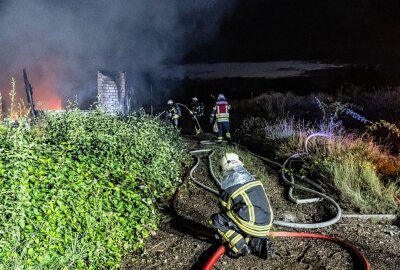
{"points": [[63, 43]]}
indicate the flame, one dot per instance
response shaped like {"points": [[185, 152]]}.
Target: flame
{"points": [[45, 76], [46, 82], [46, 96]]}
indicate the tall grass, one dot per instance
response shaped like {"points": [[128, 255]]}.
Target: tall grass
{"points": [[357, 166], [358, 182]]}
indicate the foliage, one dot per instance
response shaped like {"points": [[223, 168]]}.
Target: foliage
{"points": [[385, 132], [79, 190], [15, 110], [251, 125], [392, 128]]}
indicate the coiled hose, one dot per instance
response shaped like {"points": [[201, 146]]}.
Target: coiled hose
{"points": [[284, 168]]}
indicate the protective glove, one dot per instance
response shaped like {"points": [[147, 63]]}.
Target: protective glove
{"points": [[211, 120]]}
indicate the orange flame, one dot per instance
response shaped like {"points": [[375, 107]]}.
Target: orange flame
{"points": [[45, 82], [46, 96]]}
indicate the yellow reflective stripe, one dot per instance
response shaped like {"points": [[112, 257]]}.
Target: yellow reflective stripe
{"points": [[249, 207], [248, 227], [229, 233], [222, 202], [229, 204], [223, 235], [245, 187], [235, 249], [255, 230], [240, 190], [236, 240], [219, 120]]}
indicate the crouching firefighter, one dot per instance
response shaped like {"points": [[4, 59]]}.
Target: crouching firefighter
{"points": [[220, 113], [173, 113], [246, 215]]}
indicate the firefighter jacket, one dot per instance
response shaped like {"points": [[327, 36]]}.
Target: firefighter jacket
{"points": [[174, 112], [220, 111], [246, 202]]}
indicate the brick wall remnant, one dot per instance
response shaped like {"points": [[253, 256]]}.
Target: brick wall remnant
{"points": [[112, 91]]}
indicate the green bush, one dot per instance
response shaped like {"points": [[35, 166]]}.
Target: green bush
{"points": [[78, 191]]}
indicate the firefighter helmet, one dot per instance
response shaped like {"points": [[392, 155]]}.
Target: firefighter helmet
{"points": [[228, 159], [221, 97], [170, 102], [194, 99]]}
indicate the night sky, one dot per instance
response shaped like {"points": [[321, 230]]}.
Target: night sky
{"points": [[355, 31]]}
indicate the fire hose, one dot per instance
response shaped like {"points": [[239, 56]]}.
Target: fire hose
{"points": [[192, 114], [285, 167], [205, 231], [361, 260]]}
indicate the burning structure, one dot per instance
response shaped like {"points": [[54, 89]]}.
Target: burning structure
{"points": [[113, 92]]}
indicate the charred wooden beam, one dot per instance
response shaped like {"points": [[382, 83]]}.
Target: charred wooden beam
{"points": [[29, 95]]}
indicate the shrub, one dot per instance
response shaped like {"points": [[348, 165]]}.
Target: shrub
{"points": [[79, 190]]}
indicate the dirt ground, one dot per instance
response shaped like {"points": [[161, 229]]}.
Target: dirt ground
{"points": [[171, 248]]}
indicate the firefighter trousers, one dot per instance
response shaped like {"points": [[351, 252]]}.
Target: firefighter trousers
{"points": [[239, 243], [223, 130], [230, 233]]}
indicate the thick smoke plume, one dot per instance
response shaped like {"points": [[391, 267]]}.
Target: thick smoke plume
{"points": [[63, 43]]}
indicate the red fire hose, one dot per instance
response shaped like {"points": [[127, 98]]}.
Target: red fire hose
{"points": [[362, 260], [214, 258]]}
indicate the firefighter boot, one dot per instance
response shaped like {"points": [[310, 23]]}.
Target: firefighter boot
{"points": [[262, 247], [243, 251]]}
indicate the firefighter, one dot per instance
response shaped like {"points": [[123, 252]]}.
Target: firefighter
{"points": [[197, 107], [197, 111], [220, 113], [173, 113], [247, 215]]}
